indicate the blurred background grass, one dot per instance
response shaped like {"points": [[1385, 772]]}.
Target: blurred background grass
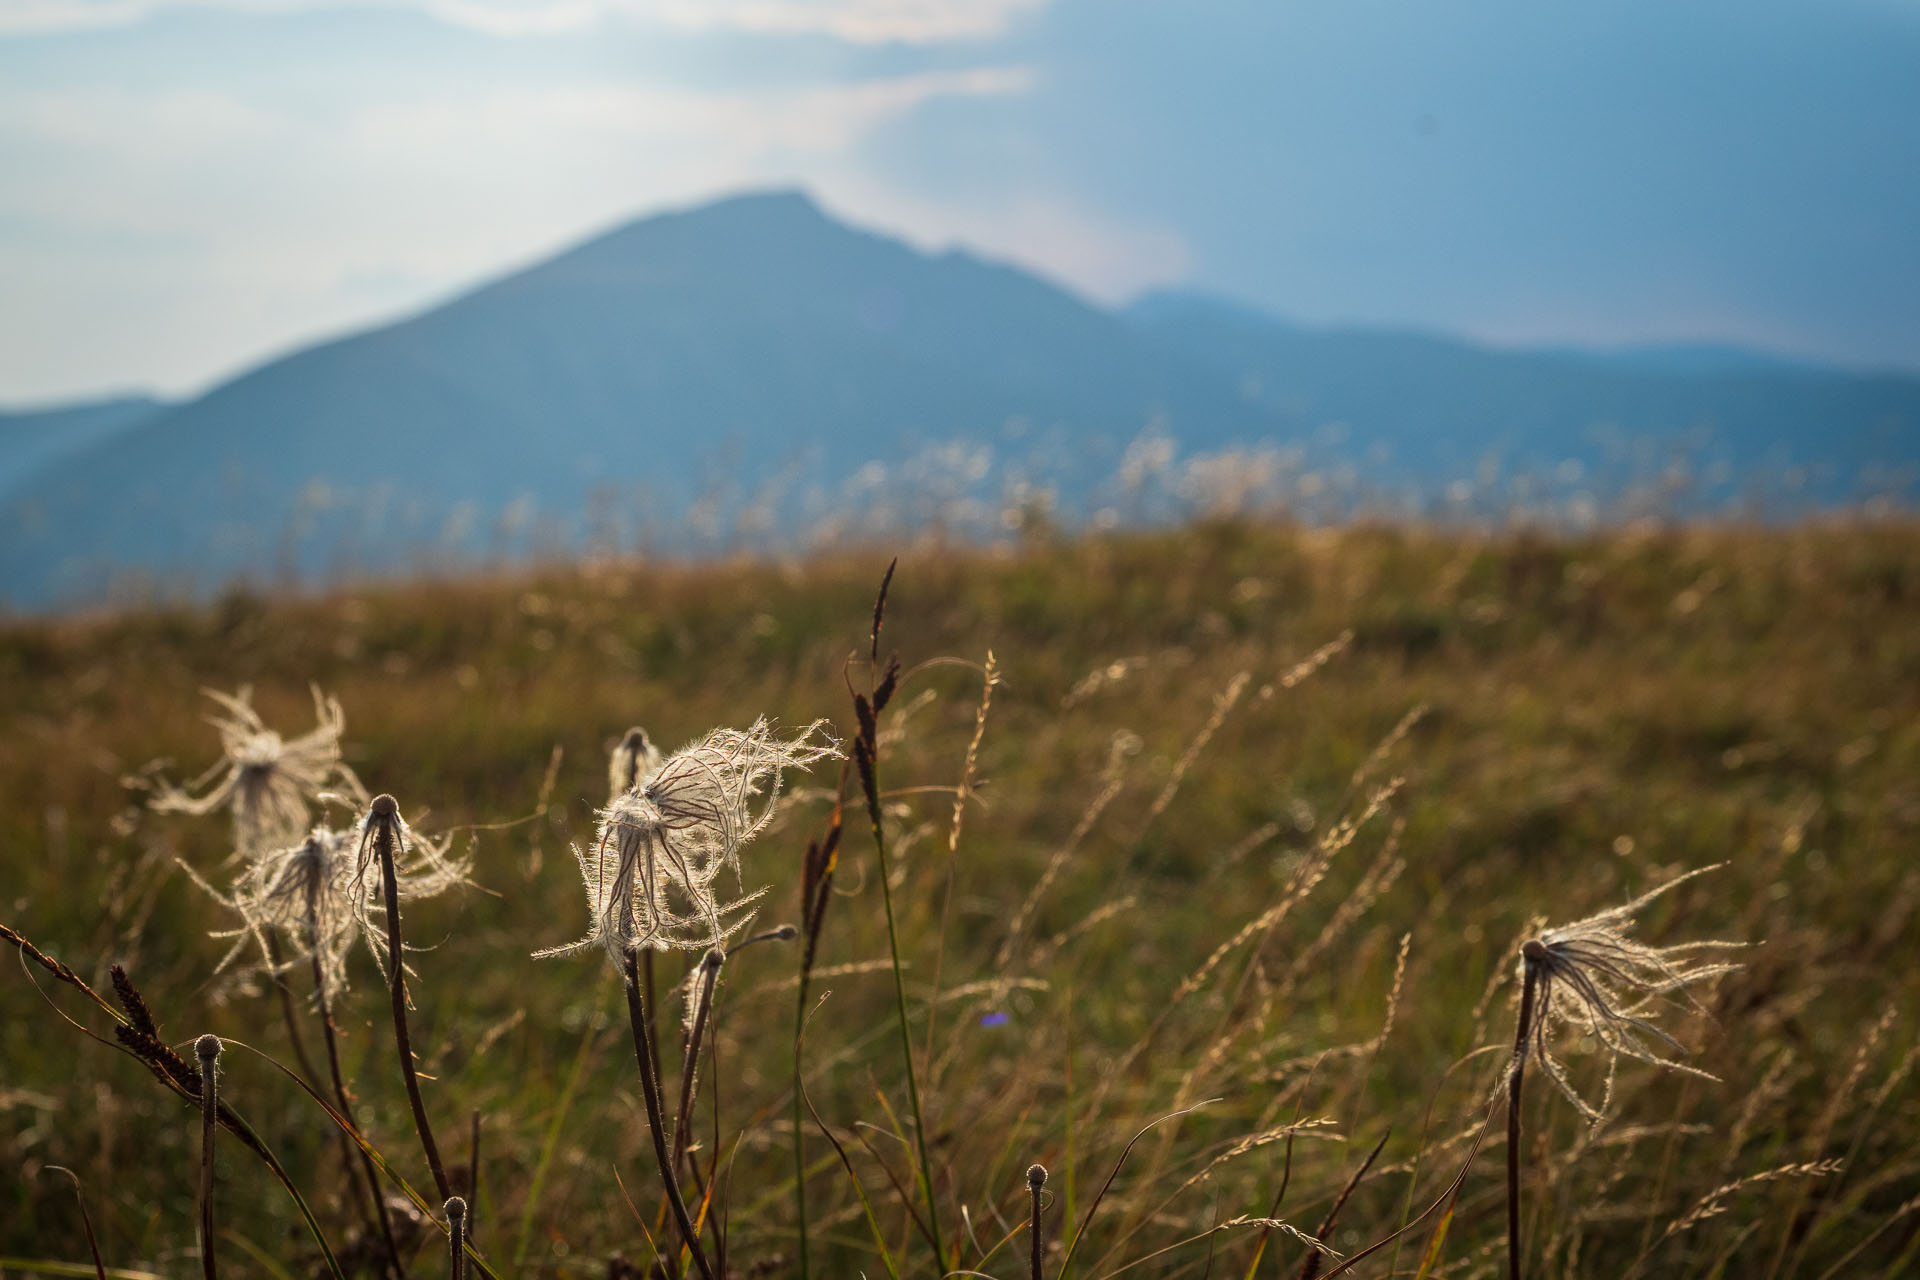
{"points": [[1588, 717]]}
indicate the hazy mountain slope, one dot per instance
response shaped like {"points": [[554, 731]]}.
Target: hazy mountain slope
{"points": [[1437, 404], [32, 440], [678, 354], [725, 370]]}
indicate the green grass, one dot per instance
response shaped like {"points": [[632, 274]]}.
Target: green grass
{"points": [[1599, 715]]}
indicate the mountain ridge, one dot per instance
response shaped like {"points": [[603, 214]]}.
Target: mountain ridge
{"points": [[747, 360]]}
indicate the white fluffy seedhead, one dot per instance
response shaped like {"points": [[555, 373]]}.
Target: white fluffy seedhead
{"points": [[268, 782], [652, 874], [634, 761], [1594, 975], [314, 897]]}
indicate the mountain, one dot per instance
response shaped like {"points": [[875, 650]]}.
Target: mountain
{"points": [[677, 361], [752, 369], [33, 440], [1425, 408]]}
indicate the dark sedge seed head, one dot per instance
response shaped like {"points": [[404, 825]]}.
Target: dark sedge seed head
{"points": [[1534, 952], [1037, 1176], [636, 739], [456, 1211], [384, 806], [714, 958], [207, 1047], [786, 933]]}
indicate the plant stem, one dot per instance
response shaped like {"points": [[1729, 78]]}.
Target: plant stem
{"points": [[900, 1007], [341, 1099], [1521, 1038], [650, 1093], [207, 1049], [799, 1145], [1036, 1179], [386, 835], [690, 1074], [456, 1211]]}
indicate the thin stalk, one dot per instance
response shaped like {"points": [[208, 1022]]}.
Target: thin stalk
{"points": [[473, 1171], [816, 881], [86, 1220], [378, 1213], [1310, 1269], [1036, 1180], [207, 1049], [1515, 1074], [650, 1093], [690, 1074], [384, 817], [799, 1145], [863, 754], [651, 992], [456, 1211]]}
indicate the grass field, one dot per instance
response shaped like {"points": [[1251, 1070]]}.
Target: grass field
{"points": [[1261, 816]]}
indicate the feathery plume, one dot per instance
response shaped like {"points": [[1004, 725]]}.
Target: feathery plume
{"points": [[316, 897], [1594, 974], [652, 874], [266, 780]]}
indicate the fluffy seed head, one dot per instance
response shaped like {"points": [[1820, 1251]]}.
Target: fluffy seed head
{"points": [[316, 897], [267, 781], [1593, 974], [653, 871]]}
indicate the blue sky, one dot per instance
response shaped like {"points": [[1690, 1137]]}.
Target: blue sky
{"points": [[187, 188]]}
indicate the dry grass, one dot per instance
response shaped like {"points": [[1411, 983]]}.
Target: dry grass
{"points": [[1207, 851]]}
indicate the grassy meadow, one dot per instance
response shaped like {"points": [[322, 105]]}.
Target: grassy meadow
{"points": [[1258, 817]]}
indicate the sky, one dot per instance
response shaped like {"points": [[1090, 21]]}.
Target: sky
{"points": [[187, 189]]}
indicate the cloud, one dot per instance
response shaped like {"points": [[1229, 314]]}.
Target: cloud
{"points": [[165, 237], [863, 22], [805, 120]]}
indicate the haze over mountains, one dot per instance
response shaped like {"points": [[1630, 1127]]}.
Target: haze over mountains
{"points": [[753, 373]]}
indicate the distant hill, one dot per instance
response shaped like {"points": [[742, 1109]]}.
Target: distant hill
{"points": [[1429, 407], [752, 369], [33, 440]]}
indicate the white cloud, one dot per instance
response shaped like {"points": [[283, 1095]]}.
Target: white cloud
{"points": [[854, 21], [166, 238]]}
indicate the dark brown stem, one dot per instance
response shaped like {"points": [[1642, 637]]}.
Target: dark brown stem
{"points": [[456, 1211], [371, 1188], [386, 820], [1036, 1180], [650, 1093], [1310, 1269], [1522, 1037], [690, 1074], [652, 1001], [207, 1048]]}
